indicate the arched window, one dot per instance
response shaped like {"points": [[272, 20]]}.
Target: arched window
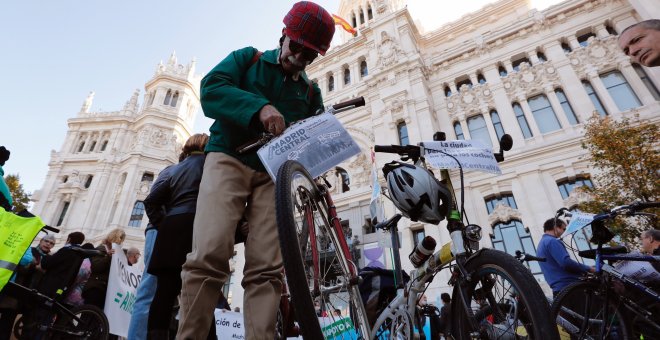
{"points": [[478, 130], [81, 146], [104, 145], [645, 79], [566, 47], [168, 97], [353, 20], [481, 79], [506, 199], [584, 39], [65, 179], [458, 130], [152, 95], [460, 83], [541, 56], [147, 177], [361, 16], [497, 124], [347, 76], [566, 186], [610, 30], [619, 89], [568, 110], [544, 115], [522, 121], [91, 148], [370, 14], [331, 84], [88, 182], [363, 68], [174, 99], [594, 98], [511, 236], [402, 129], [65, 207], [345, 180], [516, 63], [447, 91], [502, 71], [136, 215]]}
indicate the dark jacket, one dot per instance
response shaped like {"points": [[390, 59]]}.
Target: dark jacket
{"points": [[236, 89], [100, 270], [178, 191], [61, 268], [162, 176]]}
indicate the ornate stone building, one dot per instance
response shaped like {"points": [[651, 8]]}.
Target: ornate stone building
{"points": [[507, 68], [104, 170]]}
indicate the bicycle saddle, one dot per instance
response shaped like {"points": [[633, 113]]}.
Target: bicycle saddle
{"points": [[591, 253]]}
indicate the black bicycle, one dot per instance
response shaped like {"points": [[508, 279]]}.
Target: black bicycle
{"points": [[609, 304]]}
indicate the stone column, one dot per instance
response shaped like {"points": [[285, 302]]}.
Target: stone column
{"points": [[533, 57], [473, 79], [556, 106], [636, 83], [452, 87], [573, 42], [601, 31], [502, 103], [491, 128], [529, 116], [604, 96], [464, 127], [508, 66]]}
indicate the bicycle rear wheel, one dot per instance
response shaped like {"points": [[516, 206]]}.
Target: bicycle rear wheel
{"points": [[504, 298], [318, 267], [91, 323], [580, 309]]}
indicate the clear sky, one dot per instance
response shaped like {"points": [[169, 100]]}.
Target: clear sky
{"points": [[53, 53]]}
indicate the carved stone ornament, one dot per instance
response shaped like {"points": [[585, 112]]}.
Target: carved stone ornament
{"points": [[388, 50], [503, 213], [468, 100], [599, 54], [361, 170], [530, 80], [576, 197]]}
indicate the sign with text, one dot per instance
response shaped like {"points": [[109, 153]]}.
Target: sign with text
{"points": [[319, 143], [473, 155], [229, 325], [120, 296], [579, 220]]}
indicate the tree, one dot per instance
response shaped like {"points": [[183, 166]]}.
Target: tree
{"points": [[627, 157], [18, 194]]}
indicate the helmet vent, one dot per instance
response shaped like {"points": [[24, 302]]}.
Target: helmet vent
{"points": [[410, 180]]}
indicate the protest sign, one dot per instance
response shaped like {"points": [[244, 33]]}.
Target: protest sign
{"points": [[472, 154], [579, 220], [229, 325], [120, 296], [334, 328], [319, 143]]}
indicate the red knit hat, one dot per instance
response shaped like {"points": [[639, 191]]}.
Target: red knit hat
{"points": [[310, 25]]}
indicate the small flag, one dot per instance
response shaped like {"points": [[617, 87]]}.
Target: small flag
{"points": [[344, 24]]}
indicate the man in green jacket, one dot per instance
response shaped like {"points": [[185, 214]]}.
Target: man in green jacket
{"points": [[248, 93]]}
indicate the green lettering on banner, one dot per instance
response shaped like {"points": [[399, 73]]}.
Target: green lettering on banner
{"points": [[127, 304], [337, 328]]}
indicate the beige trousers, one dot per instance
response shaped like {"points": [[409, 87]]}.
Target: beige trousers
{"points": [[228, 190]]}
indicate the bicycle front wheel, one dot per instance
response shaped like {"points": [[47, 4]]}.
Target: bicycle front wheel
{"points": [[320, 274], [504, 301], [585, 312], [89, 323]]}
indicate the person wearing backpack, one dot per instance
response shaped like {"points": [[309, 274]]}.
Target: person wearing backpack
{"points": [[247, 97]]}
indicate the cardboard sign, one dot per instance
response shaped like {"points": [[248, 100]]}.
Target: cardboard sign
{"points": [[120, 296], [319, 143], [472, 154]]}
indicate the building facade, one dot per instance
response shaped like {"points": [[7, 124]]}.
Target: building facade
{"points": [[507, 68]]}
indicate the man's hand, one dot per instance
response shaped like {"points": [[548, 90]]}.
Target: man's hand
{"points": [[272, 120]]}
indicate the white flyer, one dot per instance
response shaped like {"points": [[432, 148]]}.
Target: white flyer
{"points": [[472, 154], [319, 143]]}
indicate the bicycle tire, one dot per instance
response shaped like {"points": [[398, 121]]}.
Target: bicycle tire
{"points": [[304, 252], [530, 317], [93, 324], [568, 311]]}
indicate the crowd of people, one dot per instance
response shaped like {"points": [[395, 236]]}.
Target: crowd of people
{"points": [[195, 206]]}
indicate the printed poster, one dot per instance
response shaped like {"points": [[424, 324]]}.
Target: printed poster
{"points": [[120, 297], [319, 143], [472, 154]]}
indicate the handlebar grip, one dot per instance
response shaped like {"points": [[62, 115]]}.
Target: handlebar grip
{"points": [[534, 258], [49, 228], [359, 101], [386, 148], [646, 205]]}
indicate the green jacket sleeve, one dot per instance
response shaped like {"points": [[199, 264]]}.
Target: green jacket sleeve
{"points": [[317, 100], [221, 96], [5, 195]]}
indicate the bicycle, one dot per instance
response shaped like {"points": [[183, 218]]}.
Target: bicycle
{"points": [[592, 308], [50, 318], [306, 215]]}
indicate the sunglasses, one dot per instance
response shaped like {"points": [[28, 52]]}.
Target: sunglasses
{"points": [[307, 53]]}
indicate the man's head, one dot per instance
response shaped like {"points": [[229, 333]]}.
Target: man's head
{"points": [[47, 243], [554, 227], [641, 42], [337, 312], [308, 31], [196, 143], [4, 155], [133, 255], [446, 299], [650, 240], [75, 237]]}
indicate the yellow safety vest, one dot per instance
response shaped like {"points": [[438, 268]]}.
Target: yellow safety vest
{"points": [[16, 235]]}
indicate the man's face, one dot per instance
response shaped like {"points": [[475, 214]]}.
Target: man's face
{"points": [[649, 245], [295, 57], [133, 257], [642, 45], [46, 245], [560, 229]]}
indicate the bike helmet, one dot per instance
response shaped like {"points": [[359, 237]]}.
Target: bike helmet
{"points": [[310, 25], [417, 193]]}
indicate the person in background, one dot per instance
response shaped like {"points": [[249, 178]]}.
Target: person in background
{"points": [[249, 93], [178, 193], [445, 315], [137, 328], [641, 42], [559, 269], [96, 286], [74, 295], [133, 255]]}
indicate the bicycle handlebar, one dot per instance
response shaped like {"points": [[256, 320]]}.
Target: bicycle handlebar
{"points": [[522, 256], [356, 102]]}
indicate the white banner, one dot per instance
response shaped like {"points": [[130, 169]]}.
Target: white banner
{"points": [[120, 296], [579, 220], [319, 143], [229, 325], [472, 154]]}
